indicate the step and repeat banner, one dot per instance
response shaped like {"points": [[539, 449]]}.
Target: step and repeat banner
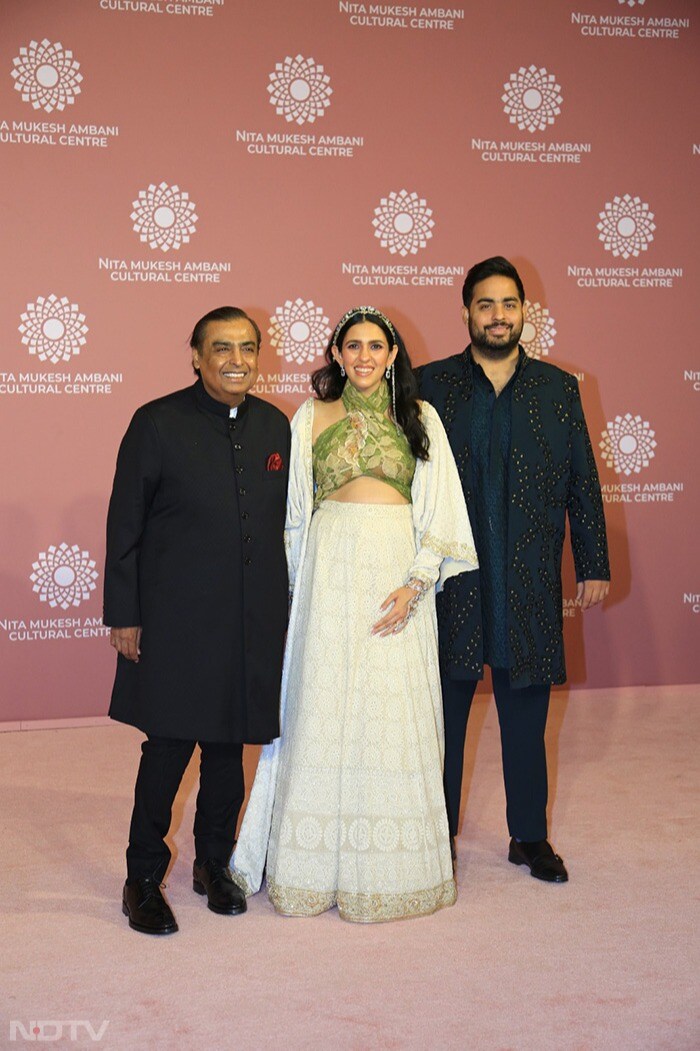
{"points": [[163, 158]]}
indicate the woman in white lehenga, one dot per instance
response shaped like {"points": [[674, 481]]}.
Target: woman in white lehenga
{"points": [[347, 807]]}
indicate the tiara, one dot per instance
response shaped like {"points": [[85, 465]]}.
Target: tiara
{"points": [[372, 311]]}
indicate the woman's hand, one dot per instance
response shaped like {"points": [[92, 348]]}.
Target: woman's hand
{"points": [[401, 602]]}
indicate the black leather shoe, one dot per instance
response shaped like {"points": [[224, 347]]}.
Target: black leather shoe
{"points": [[147, 909], [540, 859], [214, 879]]}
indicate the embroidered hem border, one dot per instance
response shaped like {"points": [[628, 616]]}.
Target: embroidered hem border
{"points": [[240, 881], [362, 908], [457, 551]]}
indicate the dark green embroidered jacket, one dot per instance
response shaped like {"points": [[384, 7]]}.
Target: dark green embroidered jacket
{"points": [[552, 473]]}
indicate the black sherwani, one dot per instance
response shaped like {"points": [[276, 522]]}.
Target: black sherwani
{"points": [[195, 556], [552, 473]]}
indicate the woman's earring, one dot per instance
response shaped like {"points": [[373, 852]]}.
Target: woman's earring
{"points": [[391, 378], [342, 371]]}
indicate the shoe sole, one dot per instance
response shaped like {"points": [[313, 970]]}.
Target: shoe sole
{"points": [[516, 860], [147, 930], [235, 910]]}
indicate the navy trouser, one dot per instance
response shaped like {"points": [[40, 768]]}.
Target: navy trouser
{"points": [[522, 715], [219, 800]]}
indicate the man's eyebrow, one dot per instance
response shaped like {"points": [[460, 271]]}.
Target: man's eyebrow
{"points": [[490, 299], [230, 343]]}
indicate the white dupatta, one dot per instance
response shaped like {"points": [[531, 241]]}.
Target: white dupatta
{"points": [[248, 861]]}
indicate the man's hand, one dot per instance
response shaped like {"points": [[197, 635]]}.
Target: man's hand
{"points": [[126, 641], [591, 592]]}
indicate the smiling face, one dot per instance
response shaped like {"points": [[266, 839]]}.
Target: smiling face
{"points": [[495, 317], [365, 355], [228, 360]]}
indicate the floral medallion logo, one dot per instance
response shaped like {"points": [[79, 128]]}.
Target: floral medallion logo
{"points": [[632, 3], [63, 576], [53, 328], [299, 331], [628, 444], [403, 223], [626, 227], [532, 99], [538, 331], [299, 90], [46, 75], [164, 217]]}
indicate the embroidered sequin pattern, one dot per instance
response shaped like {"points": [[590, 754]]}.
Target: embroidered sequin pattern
{"points": [[461, 552], [363, 908], [552, 473]]}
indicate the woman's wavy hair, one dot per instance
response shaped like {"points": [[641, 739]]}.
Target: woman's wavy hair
{"points": [[328, 383]]}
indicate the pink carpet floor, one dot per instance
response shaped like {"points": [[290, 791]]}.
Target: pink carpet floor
{"points": [[607, 961]]}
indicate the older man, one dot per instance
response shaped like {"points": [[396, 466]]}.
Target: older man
{"points": [[196, 597], [519, 437]]}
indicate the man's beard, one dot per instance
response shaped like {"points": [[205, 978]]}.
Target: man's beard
{"points": [[495, 349]]}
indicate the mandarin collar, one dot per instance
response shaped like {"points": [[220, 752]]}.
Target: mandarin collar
{"points": [[217, 408], [477, 369]]}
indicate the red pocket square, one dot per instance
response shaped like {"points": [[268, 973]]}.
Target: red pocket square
{"points": [[274, 462]]}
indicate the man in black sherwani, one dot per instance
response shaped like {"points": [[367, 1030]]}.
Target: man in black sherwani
{"points": [[519, 437], [196, 597]]}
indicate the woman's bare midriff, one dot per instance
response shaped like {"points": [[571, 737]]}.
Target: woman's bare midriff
{"points": [[367, 490]]}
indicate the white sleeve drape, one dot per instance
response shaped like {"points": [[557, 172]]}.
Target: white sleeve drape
{"points": [[300, 496], [444, 541]]}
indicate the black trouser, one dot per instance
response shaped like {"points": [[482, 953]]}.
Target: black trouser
{"points": [[522, 715], [219, 800]]}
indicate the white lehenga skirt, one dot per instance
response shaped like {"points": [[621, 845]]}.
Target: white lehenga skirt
{"points": [[359, 814]]}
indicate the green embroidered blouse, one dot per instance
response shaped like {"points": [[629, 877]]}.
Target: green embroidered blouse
{"points": [[366, 442]]}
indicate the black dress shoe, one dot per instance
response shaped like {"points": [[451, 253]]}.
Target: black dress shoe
{"points": [[214, 879], [147, 909], [541, 860]]}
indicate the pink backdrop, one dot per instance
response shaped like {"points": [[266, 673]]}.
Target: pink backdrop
{"points": [[166, 158]]}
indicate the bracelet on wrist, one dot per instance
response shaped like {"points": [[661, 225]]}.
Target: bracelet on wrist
{"points": [[419, 587]]}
